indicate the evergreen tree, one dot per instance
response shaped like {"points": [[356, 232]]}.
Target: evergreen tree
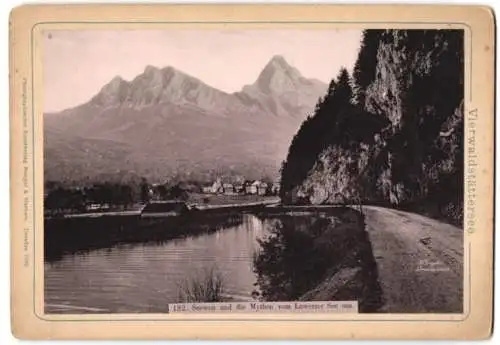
{"points": [[317, 132], [144, 186], [366, 64], [343, 91], [331, 88]]}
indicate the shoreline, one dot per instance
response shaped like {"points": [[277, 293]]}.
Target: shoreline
{"points": [[87, 232], [198, 207]]}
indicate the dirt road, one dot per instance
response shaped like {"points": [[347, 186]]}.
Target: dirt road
{"points": [[419, 261]]}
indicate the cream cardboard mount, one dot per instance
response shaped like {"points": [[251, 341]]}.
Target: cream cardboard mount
{"points": [[251, 171]]}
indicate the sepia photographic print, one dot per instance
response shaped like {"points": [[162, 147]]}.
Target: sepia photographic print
{"points": [[265, 170], [306, 166]]}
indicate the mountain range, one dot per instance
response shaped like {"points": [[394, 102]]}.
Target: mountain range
{"points": [[165, 123]]}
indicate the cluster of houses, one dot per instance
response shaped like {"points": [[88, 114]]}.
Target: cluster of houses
{"points": [[255, 187]]}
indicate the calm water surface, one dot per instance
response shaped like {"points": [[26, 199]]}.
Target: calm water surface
{"points": [[145, 277]]}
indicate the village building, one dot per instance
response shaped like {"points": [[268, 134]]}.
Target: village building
{"points": [[251, 187], [217, 187], [206, 189], [275, 189], [262, 188], [239, 188], [228, 188]]}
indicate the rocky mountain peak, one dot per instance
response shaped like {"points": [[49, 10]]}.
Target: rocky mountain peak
{"points": [[114, 84], [154, 85], [149, 69], [279, 61], [279, 89], [113, 92], [278, 76], [157, 74]]}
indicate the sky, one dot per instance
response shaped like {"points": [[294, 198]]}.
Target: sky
{"points": [[78, 63]]}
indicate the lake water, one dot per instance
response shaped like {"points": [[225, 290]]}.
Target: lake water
{"points": [[145, 277]]}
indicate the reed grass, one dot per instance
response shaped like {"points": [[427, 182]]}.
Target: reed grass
{"points": [[208, 286]]}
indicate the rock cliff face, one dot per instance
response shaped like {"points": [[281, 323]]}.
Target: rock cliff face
{"points": [[413, 80]]}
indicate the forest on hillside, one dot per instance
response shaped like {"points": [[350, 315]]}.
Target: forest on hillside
{"points": [[391, 133]]}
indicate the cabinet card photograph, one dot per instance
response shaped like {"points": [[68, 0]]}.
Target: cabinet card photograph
{"points": [[274, 170]]}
